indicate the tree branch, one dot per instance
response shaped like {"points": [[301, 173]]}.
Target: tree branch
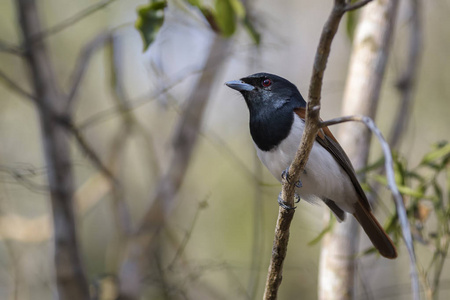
{"points": [[400, 206], [281, 239], [83, 61], [70, 277], [72, 20], [15, 87]]}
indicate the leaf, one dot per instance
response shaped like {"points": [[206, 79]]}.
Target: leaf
{"points": [[238, 8], [225, 17], [149, 21], [441, 152]]}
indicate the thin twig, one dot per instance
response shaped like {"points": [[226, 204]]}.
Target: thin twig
{"points": [[6, 48], [15, 87], [73, 19], [401, 211], [83, 62]]}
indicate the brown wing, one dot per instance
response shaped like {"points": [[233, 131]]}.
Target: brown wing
{"points": [[326, 139]]}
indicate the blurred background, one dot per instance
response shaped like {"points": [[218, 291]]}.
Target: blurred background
{"points": [[218, 230]]}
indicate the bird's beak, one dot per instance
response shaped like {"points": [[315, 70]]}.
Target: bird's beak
{"points": [[240, 86]]}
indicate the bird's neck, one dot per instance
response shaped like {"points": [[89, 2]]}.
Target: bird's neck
{"points": [[269, 129]]}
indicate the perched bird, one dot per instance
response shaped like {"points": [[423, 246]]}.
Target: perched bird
{"points": [[277, 120]]}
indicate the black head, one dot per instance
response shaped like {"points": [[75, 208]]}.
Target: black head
{"points": [[271, 101], [264, 91]]}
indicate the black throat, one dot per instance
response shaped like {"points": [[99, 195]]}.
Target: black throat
{"points": [[268, 130]]}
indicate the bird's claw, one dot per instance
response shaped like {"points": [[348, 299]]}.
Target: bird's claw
{"points": [[285, 176], [284, 205], [296, 198]]}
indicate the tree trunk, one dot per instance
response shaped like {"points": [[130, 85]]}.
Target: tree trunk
{"points": [[367, 65]]}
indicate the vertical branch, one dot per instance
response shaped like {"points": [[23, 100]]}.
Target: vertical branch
{"points": [[365, 75], [143, 245], [70, 278]]}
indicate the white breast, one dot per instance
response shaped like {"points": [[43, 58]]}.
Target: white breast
{"points": [[323, 177]]}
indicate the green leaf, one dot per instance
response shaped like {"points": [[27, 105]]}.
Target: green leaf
{"points": [[225, 17], [149, 21], [441, 152], [238, 8]]}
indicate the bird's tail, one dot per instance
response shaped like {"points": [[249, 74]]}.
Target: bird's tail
{"points": [[375, 232]]}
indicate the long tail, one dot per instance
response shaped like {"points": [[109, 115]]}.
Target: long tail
{"points": [[375, 232]]}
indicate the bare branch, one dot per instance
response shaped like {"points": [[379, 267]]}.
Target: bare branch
{"points": [[311, 127], [72, 20], [4, 47], [83, 61], [14, 86], [70, 276], [401, 211]]}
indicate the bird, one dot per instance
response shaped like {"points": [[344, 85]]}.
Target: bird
{"points": [[277, 121]]}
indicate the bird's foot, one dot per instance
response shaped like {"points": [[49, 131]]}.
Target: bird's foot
{"points": [[285, 175], [283, 204], [296, 198]]}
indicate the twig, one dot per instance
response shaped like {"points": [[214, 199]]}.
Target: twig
{"points": [[281, 239], [401, 211], [72, 20], [135, 103], [83, 62], [15, 87], [4, 47]]}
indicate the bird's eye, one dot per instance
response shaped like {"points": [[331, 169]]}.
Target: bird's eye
{"points": [[266, 82]]}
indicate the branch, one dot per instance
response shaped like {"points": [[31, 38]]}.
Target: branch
{"points": [[14, 86], [400, 206], [83, 61], [70, 277], [312, 122], [6, 48], [72, 20]]}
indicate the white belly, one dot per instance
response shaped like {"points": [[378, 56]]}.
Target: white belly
{"points": [[323, 176]]}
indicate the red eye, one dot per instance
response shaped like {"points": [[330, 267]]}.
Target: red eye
{"points": [[266, 82]]}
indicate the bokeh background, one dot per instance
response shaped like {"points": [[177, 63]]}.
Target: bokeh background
{"points": [[225, 212]]}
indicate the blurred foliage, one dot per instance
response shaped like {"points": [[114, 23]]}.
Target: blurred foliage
{"points": [[351, 20], [223, 19], [149, 21], [426, 192]]}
